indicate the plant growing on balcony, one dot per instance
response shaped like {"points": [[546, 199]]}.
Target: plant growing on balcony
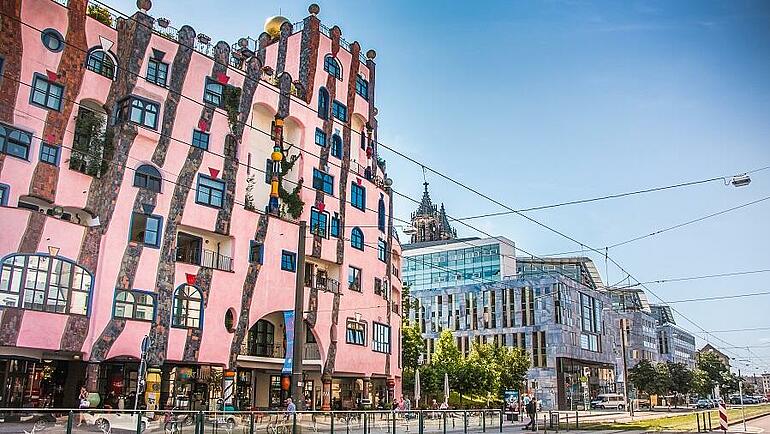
{"points": [[100, 14], [292, 202], [231, 98], [93, 147], [248, 201]]}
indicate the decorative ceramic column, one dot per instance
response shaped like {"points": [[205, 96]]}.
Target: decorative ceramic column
{"points": [[326, 398], [228, 387]]}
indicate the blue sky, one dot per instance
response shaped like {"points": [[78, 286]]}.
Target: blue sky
{"points": [[541, 102]]}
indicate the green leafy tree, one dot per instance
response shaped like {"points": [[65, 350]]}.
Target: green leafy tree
{"points": [[412, 345], [486, 372], [700, 382], [680, 380], [512, 366], [644, 377], [716, 373]]}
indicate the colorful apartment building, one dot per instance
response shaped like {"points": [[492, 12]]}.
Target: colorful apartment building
{"points": [[152, 183]]}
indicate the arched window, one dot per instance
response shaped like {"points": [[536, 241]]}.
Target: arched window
{"points": [[336, 146], [134, 305], [332, 66], [101, 62], [323, 103], [381, 214], [148, 177], [45, 283], [188, 307], [357, 239], [262, 339]]}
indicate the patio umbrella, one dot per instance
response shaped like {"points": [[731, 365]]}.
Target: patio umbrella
{"points": [[446, 388], [416, 388]]}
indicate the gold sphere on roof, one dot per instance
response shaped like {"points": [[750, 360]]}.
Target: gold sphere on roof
{"points": [[273, 25]]}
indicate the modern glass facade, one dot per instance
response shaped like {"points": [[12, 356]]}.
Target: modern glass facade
{"points": [[452, 267]]}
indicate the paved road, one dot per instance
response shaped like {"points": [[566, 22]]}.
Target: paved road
{"points": [[757, 425]]}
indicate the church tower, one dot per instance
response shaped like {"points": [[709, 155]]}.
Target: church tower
{"points": [[430, 223]]}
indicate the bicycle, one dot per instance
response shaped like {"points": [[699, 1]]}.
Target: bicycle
{"points": [[279, 425]]}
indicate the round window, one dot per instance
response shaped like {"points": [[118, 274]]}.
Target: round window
{"points": [[53, 40], [230, 320]]}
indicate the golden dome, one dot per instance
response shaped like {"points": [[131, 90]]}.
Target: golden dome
{"points": [[273, 25]]}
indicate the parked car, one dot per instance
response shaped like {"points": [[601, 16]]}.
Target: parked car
{"points": [[107, 422], [704, 403], [610, 400]]}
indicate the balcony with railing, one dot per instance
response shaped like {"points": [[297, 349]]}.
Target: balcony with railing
{"points": [[190, 249], [321, 281]]}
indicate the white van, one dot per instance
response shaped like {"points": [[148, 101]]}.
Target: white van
{"points": [[610, 400]]}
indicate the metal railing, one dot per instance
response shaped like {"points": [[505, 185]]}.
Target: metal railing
{"points": [[322, 282], [89, 421], [204, 258]]}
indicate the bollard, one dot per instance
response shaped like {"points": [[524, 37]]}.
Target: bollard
{"points": [[251, 423], [545, 425], [710, 429], [331, 427], [567, 414], [365, 420], [443, 420], [465, 421], [138, 423], [577, 420], [294, 423], [501, 421], [420, 422], [483, 421], [394, 423], [69, 422], [697, 420]]}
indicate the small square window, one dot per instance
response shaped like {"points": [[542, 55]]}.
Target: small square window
{"points": [[5, 191], [200, 139], [145, 229], [213, 92], [210, 192], [339, 111], [49, 154], [320, 137], [354, 278], [323, 181], [288, 261], [157, 72], [256, 251], [46, 93]]}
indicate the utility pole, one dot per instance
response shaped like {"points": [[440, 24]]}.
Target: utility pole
{"points": [[299, 322], [623, 337], [740, 392]]}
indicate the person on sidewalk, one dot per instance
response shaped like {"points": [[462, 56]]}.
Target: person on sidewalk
{"points": [[530, 408]]}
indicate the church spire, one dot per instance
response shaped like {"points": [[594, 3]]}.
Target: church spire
{"points": [[426, 207], [430, 223]]}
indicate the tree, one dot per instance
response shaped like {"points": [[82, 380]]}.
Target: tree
{"points": [[644, 377], [701, 382], [716, 373], [412, 345], [662, 385], [512, 366], [680, 380], [484, 370]]}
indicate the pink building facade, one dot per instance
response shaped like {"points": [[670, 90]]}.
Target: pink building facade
{"points": [[152, 183]]}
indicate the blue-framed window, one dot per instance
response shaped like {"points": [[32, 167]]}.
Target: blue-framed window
{"points": [[146, 229], [362, 87], [323, 181], [52, 40], [139, 111], [358, 196], [15, 142], [323, 103], [187, 311], [381, 214], [336, 150], [134, 305], [332, 66], [355, 333], [49, 154], [210, 192], [382, 250], [320, 137], [5, 191], [157, 72], [147, 176], [213, 92], [340, 111], [45, 283], [256, 252], [101, 62], [380, 338], [357, 238], [200, 139], [46, 93], [319, 222], [354, 279], [288, 261], [335, 226]]}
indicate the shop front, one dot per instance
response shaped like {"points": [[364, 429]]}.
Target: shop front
{"points": [[581, 381], [117, 383], [191, 387], [30, 383]]}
